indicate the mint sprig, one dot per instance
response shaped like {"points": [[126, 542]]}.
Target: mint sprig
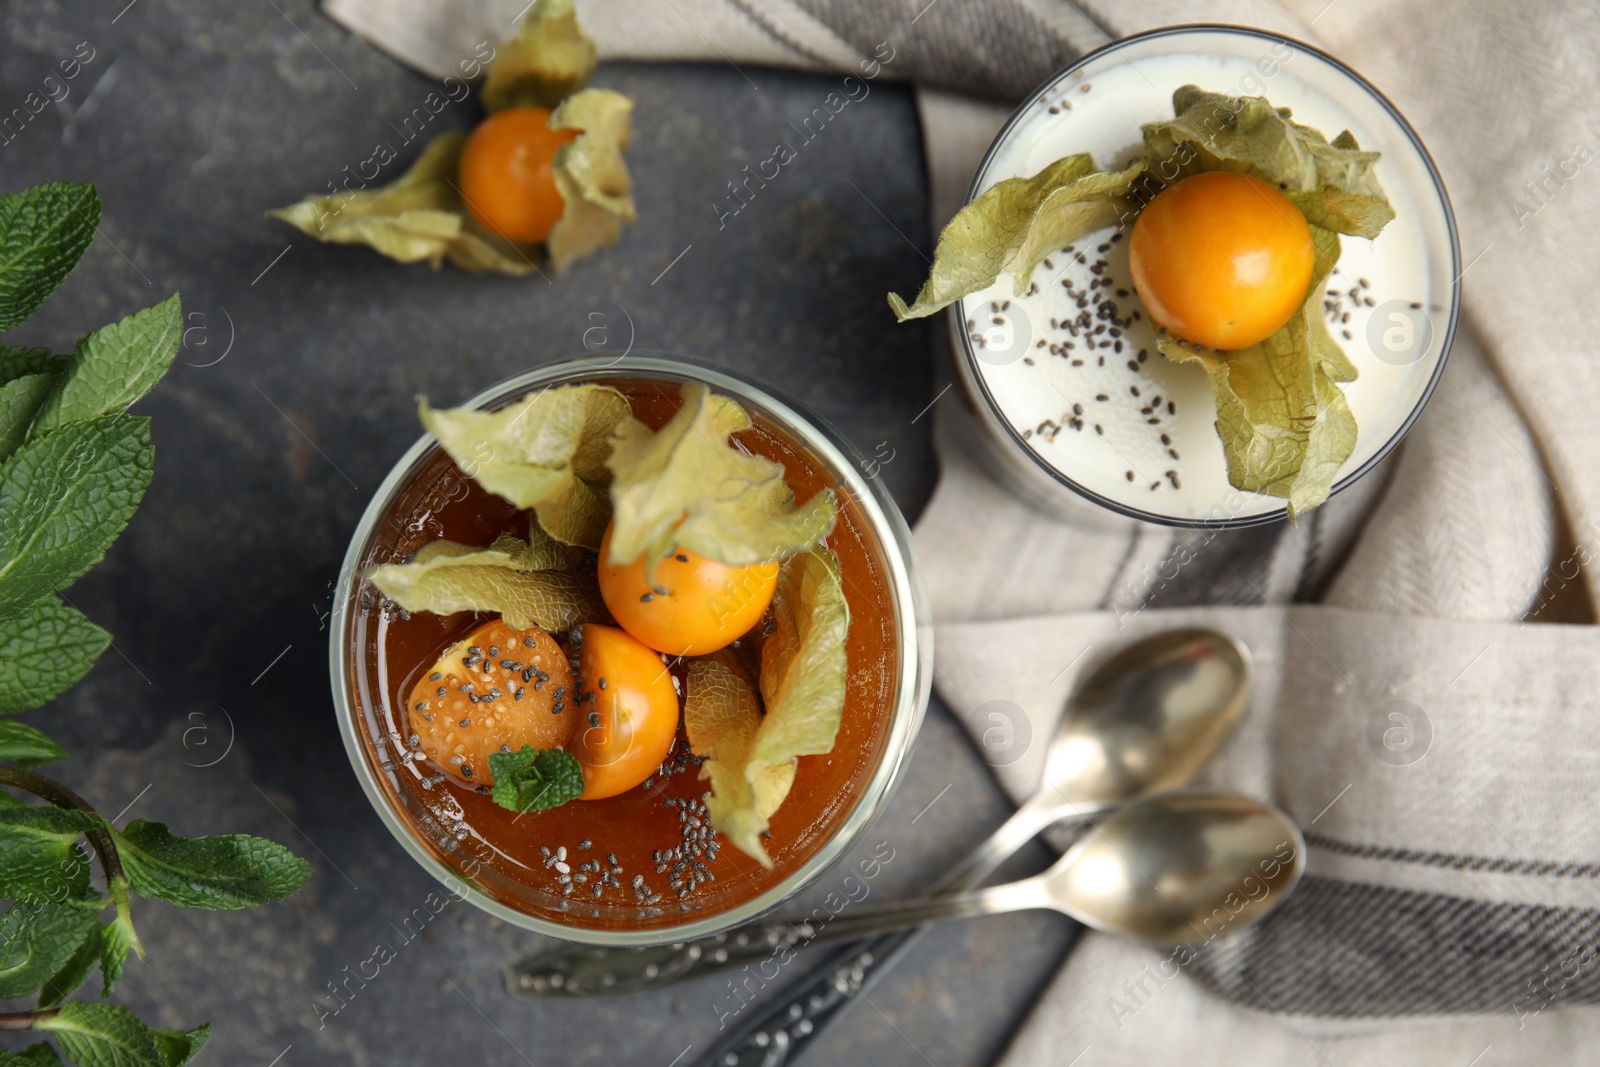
{"points": [[44, 231], [64, 498], [535, 779], [40, 1055], [27, 746], [114, 366], [37, 941], [44, 650], [229, 871], [105, 1035], [73, 468]]}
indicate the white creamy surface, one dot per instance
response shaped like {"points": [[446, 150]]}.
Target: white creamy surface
{"points": [[1100, 112]]}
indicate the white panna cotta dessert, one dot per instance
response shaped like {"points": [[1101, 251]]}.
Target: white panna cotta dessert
{"points": [[1069, 372]]}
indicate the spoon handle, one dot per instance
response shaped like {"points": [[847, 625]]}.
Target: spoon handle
{"points": [[772, 1036], [1023, 826], [899, 915], [589, 971], [775, 1034]]}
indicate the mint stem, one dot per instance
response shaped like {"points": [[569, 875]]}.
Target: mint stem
{"points": [[62, 797], [26, 1020]]}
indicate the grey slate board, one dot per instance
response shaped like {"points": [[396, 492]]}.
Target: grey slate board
{"points": [[195, 118]]}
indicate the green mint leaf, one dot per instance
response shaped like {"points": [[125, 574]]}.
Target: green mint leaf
{"points": [[15, 362], [1015, 224], [117, 939], [26, 746], [103, 1035], [20, 399], [40, 861], [40, 1055], [64, 498], [229, 871], [535, 779], [36, 941], [690, 485], [547, 451], [178, 1047], [114, 366], [44, 231], [75, 971], [44, 649]]}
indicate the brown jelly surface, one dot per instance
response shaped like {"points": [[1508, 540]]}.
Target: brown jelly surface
{"points": [[504, 852]]}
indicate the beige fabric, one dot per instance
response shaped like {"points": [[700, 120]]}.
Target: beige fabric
{"points": [[1174, 1022], [433, 35], [1442, 551]]}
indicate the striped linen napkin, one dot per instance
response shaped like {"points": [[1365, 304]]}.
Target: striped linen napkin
{"points": [[1451, 909]]}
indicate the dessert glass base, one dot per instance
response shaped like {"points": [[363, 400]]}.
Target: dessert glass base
{"points": [[1075, 410], [593, 871]]}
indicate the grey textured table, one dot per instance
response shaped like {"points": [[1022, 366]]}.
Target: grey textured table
{"points": [[294, 398]]}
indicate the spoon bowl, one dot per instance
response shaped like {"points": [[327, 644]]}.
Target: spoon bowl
{"points": [[1178, 868], [1146, 721], [1181, 867], [1149, 719]]}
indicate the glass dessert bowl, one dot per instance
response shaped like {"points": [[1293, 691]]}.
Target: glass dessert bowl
{"points": [[624, 863], [1072, 399]]}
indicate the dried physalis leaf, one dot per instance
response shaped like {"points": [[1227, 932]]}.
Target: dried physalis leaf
{"points": [[546, 451], [548, 60], [723, 719], [445, 577], [417, 218], [689, 485], [751, 757], [1285, 425], [1015, 224], [1334, 184], [422, 216], [591, 175]]}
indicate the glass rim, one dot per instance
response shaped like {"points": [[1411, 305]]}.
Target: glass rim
{"points": [[967, 359], [888, 528]]}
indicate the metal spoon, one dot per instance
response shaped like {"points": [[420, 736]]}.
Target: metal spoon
{"points": [[1175, 868], [1181, 867], [1147, 720]]}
